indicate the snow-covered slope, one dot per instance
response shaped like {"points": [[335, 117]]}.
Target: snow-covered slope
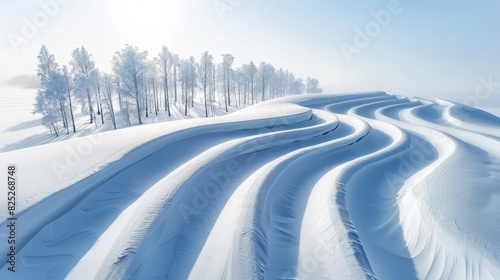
{"points": [[345, 186], [20, 128]]}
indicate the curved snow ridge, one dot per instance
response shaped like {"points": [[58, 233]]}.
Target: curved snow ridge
{"points": [[342, 107], [468, 114], [161, 197], [447, 244], [467, 118], [432, 116], [344, 186], [320, 100], [266, 211], [439, 247], [326, 247], [69, 205], [77, 159], [369, 110], [392, 141]]}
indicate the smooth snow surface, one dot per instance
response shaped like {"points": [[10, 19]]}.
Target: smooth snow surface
{"points": [[344, 186]]}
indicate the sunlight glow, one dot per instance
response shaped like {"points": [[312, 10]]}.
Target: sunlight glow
{"points": [[143, 18]]}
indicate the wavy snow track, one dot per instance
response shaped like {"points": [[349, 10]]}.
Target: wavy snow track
{"points": [[347, 186]]}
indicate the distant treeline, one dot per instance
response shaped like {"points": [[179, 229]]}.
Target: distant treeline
{"points": [[139, 86]]}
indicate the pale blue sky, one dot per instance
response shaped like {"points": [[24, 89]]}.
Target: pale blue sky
{"points": [[428, 48]]}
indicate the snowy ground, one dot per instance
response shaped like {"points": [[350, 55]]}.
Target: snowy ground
{"points": [[19, 128], [344, 186], [491, 110]]}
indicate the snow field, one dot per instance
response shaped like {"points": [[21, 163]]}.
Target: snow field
{"points": [[350, 186]]}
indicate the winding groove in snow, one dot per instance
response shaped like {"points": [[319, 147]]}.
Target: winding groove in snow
{"points": [[347, 186]]}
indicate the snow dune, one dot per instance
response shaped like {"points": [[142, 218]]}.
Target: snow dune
{"points": [[344, 186]]}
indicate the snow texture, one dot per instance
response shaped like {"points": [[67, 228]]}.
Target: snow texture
{"points": [[343, 186]]}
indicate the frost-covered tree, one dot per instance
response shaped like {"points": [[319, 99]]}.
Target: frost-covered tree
{"points": [[108, 93], [46, 65], [69, 89], [151, 88], [265, 74], [96, 78], [131, 67], [279, 85], [297, 86], [184, 78], [176, 65], [51, 102], [251, 72], [57, 89], [205, 68], [212, 88], [188, 81], [45, 106], [50, 96], [82, 67], [154, 84], [192, 78], [312, 86], [140, 85], [123, 101], [165, 62], [239, 83], [227, 62]]}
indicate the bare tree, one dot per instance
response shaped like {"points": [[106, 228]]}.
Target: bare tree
{"points": [[251, 73], [82, 65], [192, 78], [312, 85], [227, 62], [165, 63], [130, 65], [265, 79], [68, 93], [109, 90], [205, 68], [97, 79], [175, 62]]}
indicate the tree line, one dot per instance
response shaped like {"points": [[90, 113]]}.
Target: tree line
{"points": [[139, 86]]}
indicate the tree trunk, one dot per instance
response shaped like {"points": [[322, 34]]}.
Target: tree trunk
{"points": [[228, 92], [157, 100], [71, 107], [137, 101], [185, 92], [100, 103], [192, 96], [61, 108], [175, 84], [205, 97], [97, 102], [165, 91], [147, 103], [251, 89], [91, 109]]}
